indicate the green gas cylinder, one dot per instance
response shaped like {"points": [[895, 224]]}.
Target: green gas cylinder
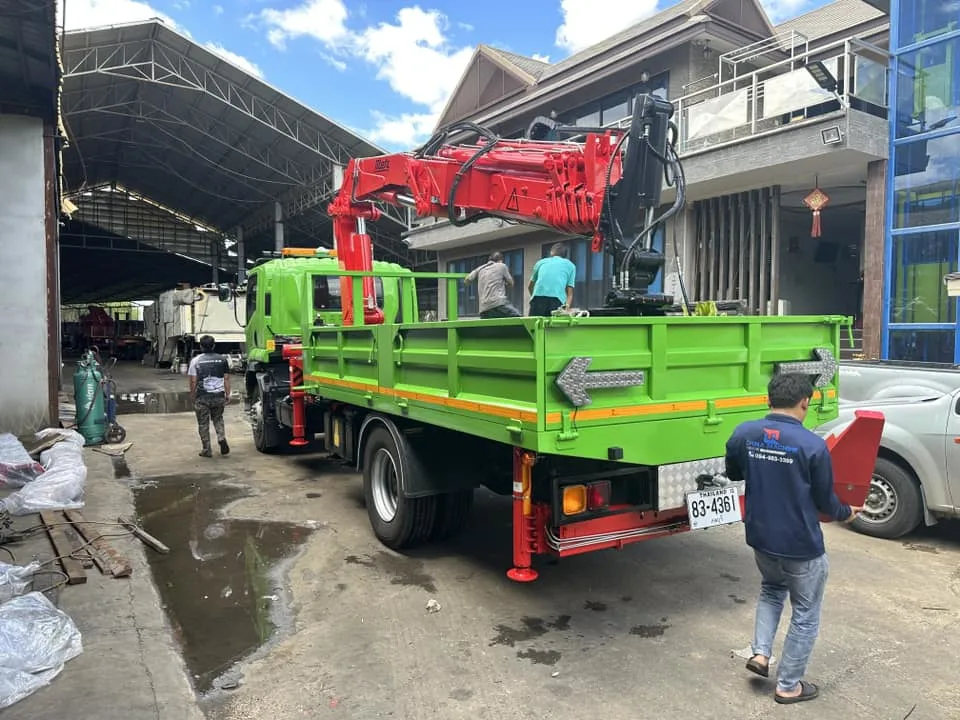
{"points": [[88, 397]]}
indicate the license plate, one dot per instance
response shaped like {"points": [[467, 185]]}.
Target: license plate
{"points": [[709, 508]]}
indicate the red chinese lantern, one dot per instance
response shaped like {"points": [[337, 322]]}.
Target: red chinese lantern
{"points": [[816, 201]]}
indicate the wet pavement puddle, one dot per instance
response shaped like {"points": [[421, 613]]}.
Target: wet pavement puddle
{"points": [[220, 584], [159, 403], [154, 403]]}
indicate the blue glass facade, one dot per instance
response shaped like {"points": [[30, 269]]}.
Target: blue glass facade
{"points": [[923, 187]]}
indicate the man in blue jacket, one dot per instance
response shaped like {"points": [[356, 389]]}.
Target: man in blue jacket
{"points": [[789, 482]]}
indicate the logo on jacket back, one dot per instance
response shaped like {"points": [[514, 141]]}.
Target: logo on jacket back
{"points": [[771, 434], [770, 442]]}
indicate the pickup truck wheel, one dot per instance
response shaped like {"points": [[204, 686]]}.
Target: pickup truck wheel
{"points": [[453, 509], [398, 522], [894, 504]]}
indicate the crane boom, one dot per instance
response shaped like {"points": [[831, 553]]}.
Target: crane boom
{"points": [[594, 188]]}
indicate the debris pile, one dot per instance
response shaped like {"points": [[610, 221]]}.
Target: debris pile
{"points": [[62, 478]]}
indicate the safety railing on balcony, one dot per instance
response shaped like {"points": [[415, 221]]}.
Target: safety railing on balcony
{"points": [[804, 86]]}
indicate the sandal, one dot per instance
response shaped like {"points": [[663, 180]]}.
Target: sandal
{"points": [[761, 669], [808, 691]]}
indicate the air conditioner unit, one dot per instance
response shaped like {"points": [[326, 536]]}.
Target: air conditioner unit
{"points": [[952, 281]]}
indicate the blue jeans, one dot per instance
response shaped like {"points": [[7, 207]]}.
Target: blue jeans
{"points": [[804, 582]]}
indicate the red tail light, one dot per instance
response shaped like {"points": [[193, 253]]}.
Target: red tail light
{"points": [[598, 495]]}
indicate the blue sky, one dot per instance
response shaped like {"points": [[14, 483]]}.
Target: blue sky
{"points": [[383, 68]]}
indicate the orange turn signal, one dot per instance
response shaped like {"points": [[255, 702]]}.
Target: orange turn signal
{"points": [[574, 499]]}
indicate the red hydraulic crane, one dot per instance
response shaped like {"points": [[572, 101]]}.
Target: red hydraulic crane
{"points": [[595, 188]]}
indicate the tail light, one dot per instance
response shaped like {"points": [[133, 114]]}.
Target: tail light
{"points": [[583, 498], [598, 495]]}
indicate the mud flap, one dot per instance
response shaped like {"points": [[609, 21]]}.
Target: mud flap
{"points": [[854, 453]]}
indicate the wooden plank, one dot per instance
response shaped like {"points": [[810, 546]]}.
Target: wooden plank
{"points": [[61, 545], [80, 547], [146, 537], [103, 553]]}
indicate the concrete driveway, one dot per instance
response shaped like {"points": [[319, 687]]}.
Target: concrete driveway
{"points": [[645, 632]]}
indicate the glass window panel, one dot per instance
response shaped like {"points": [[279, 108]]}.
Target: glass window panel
{"points": [[933, 346], [927, 182], [614, 109], [919, 263], [590, 118], [928, 88], [923, 19]]}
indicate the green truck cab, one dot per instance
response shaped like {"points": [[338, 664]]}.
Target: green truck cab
{"points": [[601, 428]]}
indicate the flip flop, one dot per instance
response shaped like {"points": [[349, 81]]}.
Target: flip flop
{"points": [[808, 691], [761, 669]]}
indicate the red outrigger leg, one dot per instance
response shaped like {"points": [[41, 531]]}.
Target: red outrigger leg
{"points": [[293, 354], [524, 518]]}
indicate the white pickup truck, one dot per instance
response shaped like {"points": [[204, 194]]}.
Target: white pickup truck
{"points": [[917, 475]]}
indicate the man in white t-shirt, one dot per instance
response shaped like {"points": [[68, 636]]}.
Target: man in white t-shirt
{"points": [[209, 375]]}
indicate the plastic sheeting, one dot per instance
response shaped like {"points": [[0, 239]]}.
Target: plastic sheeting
{"points": [[17, 468], [36, 641], [61, 485], [15, 579]]}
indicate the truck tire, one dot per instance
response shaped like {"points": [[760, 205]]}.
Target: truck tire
{"points": [[398, 522], [268, 436], [894, 506], [453, 509]]}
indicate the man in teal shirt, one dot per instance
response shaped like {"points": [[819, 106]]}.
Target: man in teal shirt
{"points": [[551, 285]]}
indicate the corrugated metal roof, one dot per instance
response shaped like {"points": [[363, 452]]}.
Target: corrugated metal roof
{"points": [[837, 17], [533, 67]]}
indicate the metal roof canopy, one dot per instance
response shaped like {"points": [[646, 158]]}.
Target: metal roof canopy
{"points": [[29, 75], [150, 111]]}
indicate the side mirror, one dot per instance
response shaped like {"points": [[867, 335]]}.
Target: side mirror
{"points": [[224, 293]]}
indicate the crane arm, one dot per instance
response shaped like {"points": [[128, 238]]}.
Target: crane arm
{"points": [[595, 188]]}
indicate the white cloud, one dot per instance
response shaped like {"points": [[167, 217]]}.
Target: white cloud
{"points": [[413, 54], [541, 58], [235, 59], [405, 131], [81, 14], [323, 20], [587, 22], [218, 9]]}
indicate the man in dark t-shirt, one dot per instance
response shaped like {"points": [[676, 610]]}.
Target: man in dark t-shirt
{"points": [[788, 478], [209, 375]]}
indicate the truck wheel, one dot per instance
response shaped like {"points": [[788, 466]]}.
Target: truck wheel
{"points": [[398, 522], [894, 504], [268, 437], [453, 509]]}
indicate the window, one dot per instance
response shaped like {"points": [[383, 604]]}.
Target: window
{"points": [[928, 88], [594, 270], [923, 19], [267, 302], [468, 301], [617, 106], [927, 182], [326, 292], [919, 263], [251, 301], [932, 346]]}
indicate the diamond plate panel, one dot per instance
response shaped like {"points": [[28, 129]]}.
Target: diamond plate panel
{"points": [[680, 478]]}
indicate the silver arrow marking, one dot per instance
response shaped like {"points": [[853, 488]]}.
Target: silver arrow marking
{"points": [[824, 367], [575, 381]]}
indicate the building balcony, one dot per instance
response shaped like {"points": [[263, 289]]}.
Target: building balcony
{"points": [[808, 113]]}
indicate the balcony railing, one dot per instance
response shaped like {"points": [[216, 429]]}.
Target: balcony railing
{"points": [[778, 96]]}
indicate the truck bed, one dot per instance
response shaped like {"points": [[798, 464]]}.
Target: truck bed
{"points": [[497, 379]]}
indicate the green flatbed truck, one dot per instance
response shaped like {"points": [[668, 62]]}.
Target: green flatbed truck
{"points": [[428, 411], [606, 428]]}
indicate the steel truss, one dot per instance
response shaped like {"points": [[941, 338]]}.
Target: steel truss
{"points": [[306, 182], [142, 226]]}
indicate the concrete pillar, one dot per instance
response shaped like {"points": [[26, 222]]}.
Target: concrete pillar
{"points": [[25, 349], [277, 227], [241, 257], [874, 245]]}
